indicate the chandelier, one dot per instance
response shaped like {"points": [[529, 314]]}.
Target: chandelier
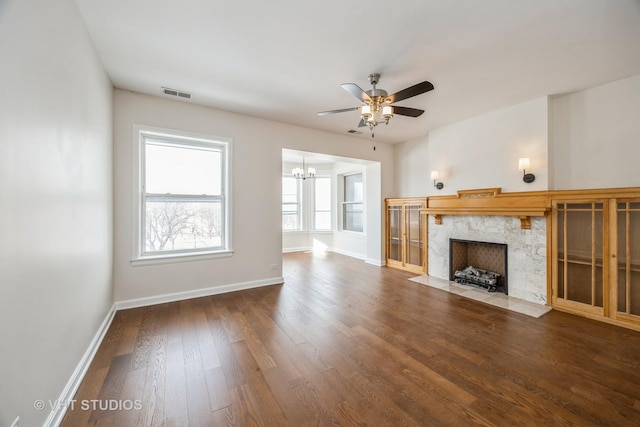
{"points": [[302, 173]]}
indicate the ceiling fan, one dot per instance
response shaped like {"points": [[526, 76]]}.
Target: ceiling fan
{"points": [[377, 105]]}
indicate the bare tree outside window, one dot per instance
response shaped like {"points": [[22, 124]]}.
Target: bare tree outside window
{"points": [[177, 226]]}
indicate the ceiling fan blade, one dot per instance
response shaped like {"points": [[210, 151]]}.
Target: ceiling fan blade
{"points": [[343, 110], [356, 91], [407, 111], [362, 124], [414, 90]]}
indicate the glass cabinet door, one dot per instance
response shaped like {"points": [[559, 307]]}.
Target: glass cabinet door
{"points": [[413, 235], [580, 274], [394, 243], [628, 258], [406, 232]]}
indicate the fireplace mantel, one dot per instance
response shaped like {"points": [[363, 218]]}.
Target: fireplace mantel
{"points": [[490, 201]]}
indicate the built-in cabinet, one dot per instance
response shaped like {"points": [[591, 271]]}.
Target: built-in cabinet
{"points": [[596, 257], [406, 234]]}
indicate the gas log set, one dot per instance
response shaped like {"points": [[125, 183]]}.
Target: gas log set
{"points": [[478, 277]]}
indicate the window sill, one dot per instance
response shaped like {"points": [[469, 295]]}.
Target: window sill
{"points": [[174, 258]]}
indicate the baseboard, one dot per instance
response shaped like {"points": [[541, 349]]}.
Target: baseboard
{"points": [[347, 253], [372, 261], [376, 262], [57, 414], [196, 293], [300, 249]]}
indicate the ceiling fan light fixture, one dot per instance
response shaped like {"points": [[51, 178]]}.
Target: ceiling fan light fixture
{"points": [[376, 104], [365, 112], [387, 113]]}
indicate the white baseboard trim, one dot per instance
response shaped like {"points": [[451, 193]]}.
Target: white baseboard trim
{"points": [[57, 414], [372, 261], [376, 262], [347, 253], [300, 249], [196, 293]]}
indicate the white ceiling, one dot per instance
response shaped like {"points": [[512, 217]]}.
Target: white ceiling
{"points": [[284, 60]]}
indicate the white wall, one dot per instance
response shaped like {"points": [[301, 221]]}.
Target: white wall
{"points": [[256, 192], [56, 204], [586, 139], [595, 137], [374, 213], [480, 152]]}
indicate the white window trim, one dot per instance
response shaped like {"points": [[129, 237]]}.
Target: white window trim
{"points": [[137, 155]]}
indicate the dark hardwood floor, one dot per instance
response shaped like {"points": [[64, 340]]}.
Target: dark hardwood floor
{"points": [[346, 343]]}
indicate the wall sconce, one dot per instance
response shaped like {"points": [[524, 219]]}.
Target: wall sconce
{"points": [[434, 178], [523, 165]]}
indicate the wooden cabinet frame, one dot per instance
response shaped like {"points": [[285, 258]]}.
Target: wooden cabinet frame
{"points": [[402, 206], [609, 261]]}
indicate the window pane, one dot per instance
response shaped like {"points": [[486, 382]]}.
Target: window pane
{"points": [[290, 221], [289, 185], [323, 194], [323, 221], [353, 217], [353, 188], [290, 203], [182, 170], [183, 225]]}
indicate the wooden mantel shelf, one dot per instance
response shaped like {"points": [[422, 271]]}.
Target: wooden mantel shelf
{"points": [[490, 201]]}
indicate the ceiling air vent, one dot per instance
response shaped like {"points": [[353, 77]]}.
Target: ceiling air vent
{"points": [[174, 92], [354, 132]]}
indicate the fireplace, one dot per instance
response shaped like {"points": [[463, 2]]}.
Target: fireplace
{"points": [[480, 255]]}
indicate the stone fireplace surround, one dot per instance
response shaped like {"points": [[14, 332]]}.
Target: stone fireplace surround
{"points": [[527, 256], [487, 215]]}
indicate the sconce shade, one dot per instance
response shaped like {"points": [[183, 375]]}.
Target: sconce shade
{"points": [[523, 165], [434, 177]]}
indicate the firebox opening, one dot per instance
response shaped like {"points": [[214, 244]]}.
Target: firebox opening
{"points": [[483, 257]]}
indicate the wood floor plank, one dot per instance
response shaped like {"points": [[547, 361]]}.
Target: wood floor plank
{"points": [[155, 383], [346, 343], [175, 403]]}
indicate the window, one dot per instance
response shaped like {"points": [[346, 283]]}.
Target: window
{"points": [[352, 206], [183, 195], [306, 204], [291, 203], [322, 203]]}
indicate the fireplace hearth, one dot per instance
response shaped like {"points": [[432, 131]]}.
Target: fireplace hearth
{"points": [[481, 264]]}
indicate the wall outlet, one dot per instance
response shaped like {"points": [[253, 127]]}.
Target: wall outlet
{"points": [[273, 266], [16, 422]]}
